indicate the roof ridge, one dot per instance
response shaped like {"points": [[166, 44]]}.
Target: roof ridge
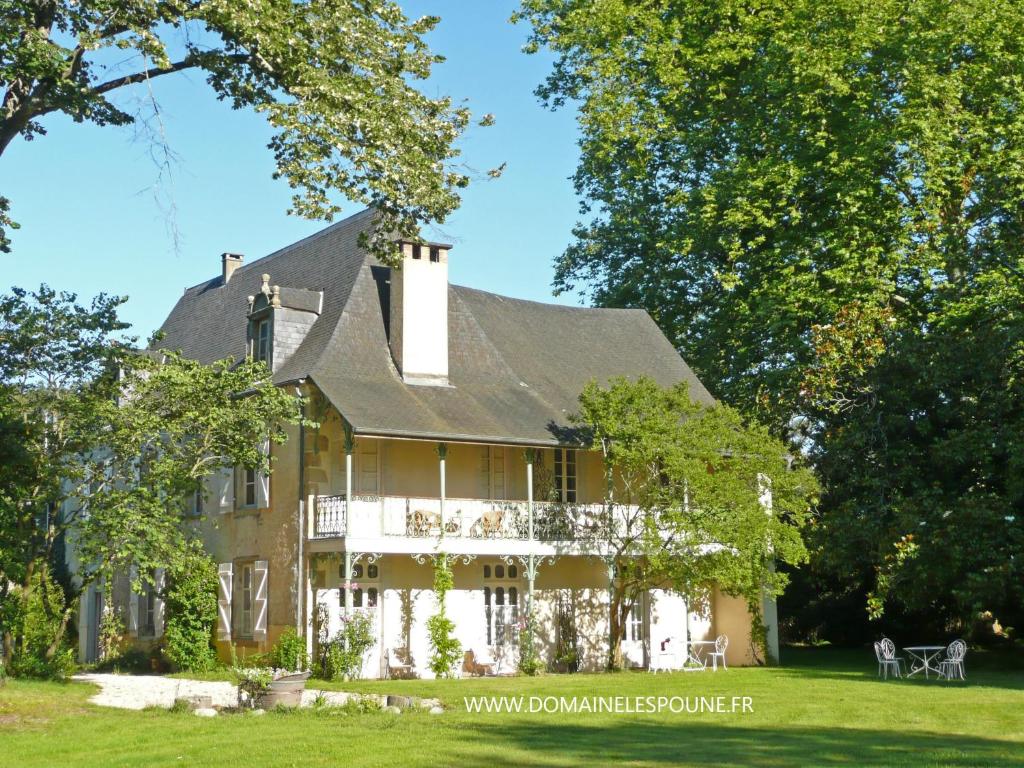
{"points": [[550, 304], [287, 248]]}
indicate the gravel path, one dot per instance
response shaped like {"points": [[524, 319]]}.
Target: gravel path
{"points": [[139, 691]]}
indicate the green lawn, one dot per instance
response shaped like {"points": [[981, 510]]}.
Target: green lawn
{"points": [[824, 708]]}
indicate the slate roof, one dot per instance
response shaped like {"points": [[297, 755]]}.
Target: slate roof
{"points": [[515, 367]]}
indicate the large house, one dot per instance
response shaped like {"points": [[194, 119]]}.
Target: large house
{"points": [[444, 425]]}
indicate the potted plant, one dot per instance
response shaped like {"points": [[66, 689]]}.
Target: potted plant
{"points": [[267, 688]]}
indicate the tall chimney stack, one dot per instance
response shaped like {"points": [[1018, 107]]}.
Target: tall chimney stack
{"points": [[419, 314], [229, 263]]}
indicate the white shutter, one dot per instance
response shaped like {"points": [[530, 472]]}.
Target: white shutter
{"points": [[226, 488], [158, 602], [498, 470], [259, 603], [225, 574], [263, 481], [133, 603]]}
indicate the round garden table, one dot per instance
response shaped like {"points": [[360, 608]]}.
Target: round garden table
{"points": [[922, 657]]}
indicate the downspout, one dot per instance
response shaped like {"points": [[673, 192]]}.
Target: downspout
{"points": [[300, 591]]}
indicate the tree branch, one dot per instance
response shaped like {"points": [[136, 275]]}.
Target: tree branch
{"points": [[140, 77]]}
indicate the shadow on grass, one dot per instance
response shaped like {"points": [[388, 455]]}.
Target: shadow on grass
{"points": [[984, 668], [659, 743]]}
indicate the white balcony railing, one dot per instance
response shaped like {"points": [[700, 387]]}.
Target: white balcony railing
{"points": [[374, 516]]}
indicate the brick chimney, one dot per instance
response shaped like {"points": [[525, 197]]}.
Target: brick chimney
{"points": [[419, 314], [229, 263]]}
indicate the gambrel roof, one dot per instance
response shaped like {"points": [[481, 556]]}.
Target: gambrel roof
{"points": [[516, 367]]}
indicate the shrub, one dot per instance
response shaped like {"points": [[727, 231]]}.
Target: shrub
{"points": [[38, 618], [190, 603], [341, 658], [289, 652], [446, 650]]}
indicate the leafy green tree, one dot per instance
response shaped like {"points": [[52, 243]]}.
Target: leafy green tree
{"points": [[190, 605], [333, 78], [696, 498], [109, 443], [822, 204]]}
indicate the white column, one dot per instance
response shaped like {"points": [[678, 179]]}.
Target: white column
{"points": [[442, 452], [531, 568], [310, 607], [348, 582]]}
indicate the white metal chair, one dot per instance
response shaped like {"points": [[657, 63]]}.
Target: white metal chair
{"points": [[394, 664], [485, 660], [888, 661], [953, 664], [663, 660], [721, 643]]}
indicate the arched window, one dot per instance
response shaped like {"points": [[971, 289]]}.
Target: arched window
{"points": [[499, 571], [371, 571], [371, 597], [513, 572], [487, 571], [487, 614]]}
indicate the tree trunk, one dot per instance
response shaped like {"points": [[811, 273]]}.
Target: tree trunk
{"points": [[615, 630]]}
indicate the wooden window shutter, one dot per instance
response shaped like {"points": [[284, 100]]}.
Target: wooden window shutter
{"points": [[133, 603], [226, 488], [263, 481], [498, 469], [225, 574], [259, 602], [159, 579]]}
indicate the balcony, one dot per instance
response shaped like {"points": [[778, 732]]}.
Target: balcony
{"points": [[371, 517]]}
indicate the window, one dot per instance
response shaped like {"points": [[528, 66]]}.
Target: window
{"points": [[417, 251], [633, 628], [435, 254], [261, 341], [249, 487], [501, 606], [147, 609], [565, 475], [244, 599], [492, 472], [365, 590]]}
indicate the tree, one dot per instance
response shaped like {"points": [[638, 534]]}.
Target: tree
{"points": [[687, 499], [333, 78], [110, 443], [810, 199]]}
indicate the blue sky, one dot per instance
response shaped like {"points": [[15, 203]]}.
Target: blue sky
{"points": [[96, 215]]}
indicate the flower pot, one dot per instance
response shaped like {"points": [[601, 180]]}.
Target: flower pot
{"points": [[285, 691]]}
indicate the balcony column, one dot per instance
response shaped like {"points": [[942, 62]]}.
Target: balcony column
{"points": [[348, 582], [531, 568], [349, 447], [442, 454]]}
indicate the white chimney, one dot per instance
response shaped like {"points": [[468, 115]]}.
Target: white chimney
{"points": [[229, 262], [419, 314]]}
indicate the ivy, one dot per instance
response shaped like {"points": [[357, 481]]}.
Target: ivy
{"points": [[445, 649]]}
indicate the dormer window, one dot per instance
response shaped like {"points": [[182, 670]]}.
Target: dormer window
{"points": [[261, 341]]}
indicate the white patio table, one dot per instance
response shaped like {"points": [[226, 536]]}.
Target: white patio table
{"points": [[922, 658], [695, 649]]}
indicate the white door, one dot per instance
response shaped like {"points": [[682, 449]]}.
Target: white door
{"points": [[635, 633]]}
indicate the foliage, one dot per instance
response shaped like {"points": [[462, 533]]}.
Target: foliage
{"points": [[190, 608], [289, 652], [253, 683], [102, 444], [334, 80], [530, 662], [687, 497], [341, 657], [38, 614], [821, 205], [112, 632], [445, 649]]}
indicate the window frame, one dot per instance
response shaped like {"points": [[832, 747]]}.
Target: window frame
{"points": [[565, 475], [243, 619]]}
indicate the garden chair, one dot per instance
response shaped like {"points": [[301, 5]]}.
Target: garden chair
{"points": [[485, 661], [395, 664], [663, 660], [887, 664], [889, 654], [953, 664], [721, 643]]}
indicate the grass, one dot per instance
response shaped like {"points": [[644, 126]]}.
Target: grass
{"points": [[824, 708]]}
